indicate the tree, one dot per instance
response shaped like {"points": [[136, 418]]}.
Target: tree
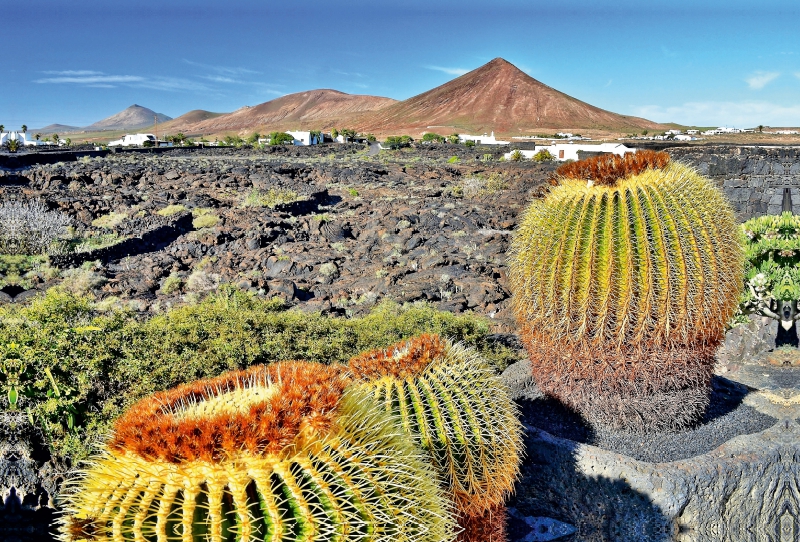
{"points": [[334, 133], [24, 128], [469, 143], [280, 138], [38, 137], [398, 142], [347, 134], [181, 137], [453, 138], [68, 142], [253, 139], [2, 128], [644, 132], [432, 138], [55, 138], [760, 128]]}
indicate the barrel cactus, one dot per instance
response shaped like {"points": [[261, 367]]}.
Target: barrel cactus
{"points": [[456, 408], [270, 454], [623, 278]]}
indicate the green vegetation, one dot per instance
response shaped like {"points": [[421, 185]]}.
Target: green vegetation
{"points": [[543, 156], [271, 198], [517, 156], [772, 268], [625, 277], [433, 138], [109, 221], [280, 138], [206, 220], [469, 143], [452, 160], [170, 210], [398, 142], [103, 362]]}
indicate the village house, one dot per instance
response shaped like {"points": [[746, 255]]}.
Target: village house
{"points": [[481, 139], [570, 151]]}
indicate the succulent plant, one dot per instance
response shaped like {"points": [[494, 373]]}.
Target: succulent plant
{"points": [[270, 454], [624, 277], [456, 408]]}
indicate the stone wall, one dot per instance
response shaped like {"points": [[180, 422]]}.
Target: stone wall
{"points": [[753, 178]]}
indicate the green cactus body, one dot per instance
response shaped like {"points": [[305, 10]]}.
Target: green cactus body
{"points": [[456, 408], [624, 289], [351, 477]]}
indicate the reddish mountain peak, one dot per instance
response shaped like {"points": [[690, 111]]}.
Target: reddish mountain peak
{"points": [[497, 96]]}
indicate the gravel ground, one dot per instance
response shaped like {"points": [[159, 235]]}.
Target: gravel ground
{"points": [[725, 418]]}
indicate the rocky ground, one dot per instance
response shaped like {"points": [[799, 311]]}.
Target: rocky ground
{"points": [[329, 228]]}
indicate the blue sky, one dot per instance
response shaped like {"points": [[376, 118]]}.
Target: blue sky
{"points": [[696, 62]]}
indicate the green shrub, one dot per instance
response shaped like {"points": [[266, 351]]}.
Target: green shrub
{"points": [[517, 156], [102, 363], [170, 210], [452, 160], [109, 221], [205, 221], [280, 138], [271, 198]]}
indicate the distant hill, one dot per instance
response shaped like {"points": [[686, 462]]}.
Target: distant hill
{"points": [[311, 110], [497, 96], [55, 129], [131, 118]]}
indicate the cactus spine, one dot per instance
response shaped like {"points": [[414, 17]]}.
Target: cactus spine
{"points": [[328, 465], [456, 408], [622, 289]]}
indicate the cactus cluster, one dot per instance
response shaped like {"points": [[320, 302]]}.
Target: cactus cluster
{"points": [[454, 406], [274, 453], [624, 278], [773, 258]]}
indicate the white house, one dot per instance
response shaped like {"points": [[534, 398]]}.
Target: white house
{"points": [[569, 151], [130, 140], [22, 137], [481, 139], [306, 138], [300, 138]]}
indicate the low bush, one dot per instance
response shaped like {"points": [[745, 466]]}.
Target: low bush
{"points": [[170, 210], [76, 369]]}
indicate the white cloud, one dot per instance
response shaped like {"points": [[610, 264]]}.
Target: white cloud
{"points": [[91, 79], [760, 79], [449, 71], [73, 72], [739, 114], [223, 70]]}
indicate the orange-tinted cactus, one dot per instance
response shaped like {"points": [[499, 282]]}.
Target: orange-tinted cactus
{"points": [[270, 454]]}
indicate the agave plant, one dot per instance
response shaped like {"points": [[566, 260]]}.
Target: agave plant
{"points": [[624, 277], [270, 454]]}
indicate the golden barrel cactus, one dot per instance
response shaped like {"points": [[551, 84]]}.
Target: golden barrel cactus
{"points": [[451, 402], [269, 454], [623, 278]]}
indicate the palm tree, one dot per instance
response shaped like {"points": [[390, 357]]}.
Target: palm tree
{"points": [[38, 137], [55, 138], [2, 128], [760, 128], [24, 128]]}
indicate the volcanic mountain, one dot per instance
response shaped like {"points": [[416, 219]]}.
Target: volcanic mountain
{"points": [[311, 110], [497, 96], [131, 118]]}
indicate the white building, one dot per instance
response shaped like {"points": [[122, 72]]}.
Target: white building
{"points": [[481, 139], [569, 151], [22, 137], [300, 138], [306, 138]]}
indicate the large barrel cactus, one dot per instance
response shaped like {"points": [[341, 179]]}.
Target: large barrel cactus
{"points": [[624, 277], [270, 454], [456, 408]]}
